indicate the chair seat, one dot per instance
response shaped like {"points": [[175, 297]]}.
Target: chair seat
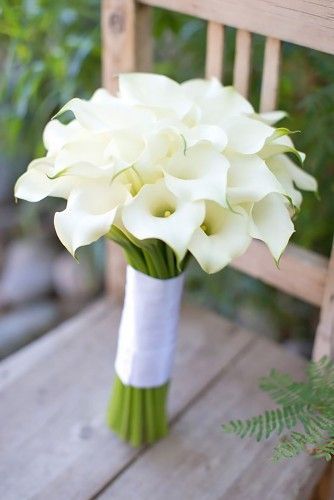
{"points": [[55, 445]]}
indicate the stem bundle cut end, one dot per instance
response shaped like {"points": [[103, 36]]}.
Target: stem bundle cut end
{"points": [[138, 415]]}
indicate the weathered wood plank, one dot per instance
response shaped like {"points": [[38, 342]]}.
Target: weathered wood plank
{"points": [[298, 21], [324, 339], [214, 50], [199, 461], [242, 61], [54, 443], [270, 75], [301, 273]]}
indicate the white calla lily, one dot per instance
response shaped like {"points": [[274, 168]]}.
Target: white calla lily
{"points": [[270, 117], [199, 174], [279, 145], [222, 237], [270, 222], [89, 213], [108, 114], [89, 150], [290, 175], [156, 213], [225, 104], [249, 179], [198, 89], [56, 134], [35, 184], [246, 135], [156, 91], [206, 133]]}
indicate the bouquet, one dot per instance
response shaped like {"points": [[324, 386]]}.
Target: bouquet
{"points": [[169, 172]]}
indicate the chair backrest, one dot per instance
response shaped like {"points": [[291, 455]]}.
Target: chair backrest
{"points": [[127, 46]]}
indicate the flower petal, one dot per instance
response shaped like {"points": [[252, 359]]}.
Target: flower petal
{"points": [[200, 174], [206, 133], [156, 213], [34, 184], [225, 104], [249, 179], [222, 237], [271, 117], [154, 91], [246, 135], [270, 222], [89, 214], [56, 134]]}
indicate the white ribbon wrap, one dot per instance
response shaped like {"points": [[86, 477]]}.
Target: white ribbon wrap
{"points": [[148, 329]]}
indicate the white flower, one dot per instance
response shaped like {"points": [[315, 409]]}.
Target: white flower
{"points": [[249, 179], [290, 175], [198, 174], [156, 213], [222, 237], [154, 91], [270, 222], [89, 213]]}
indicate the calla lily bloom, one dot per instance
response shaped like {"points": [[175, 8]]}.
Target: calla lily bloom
{"points": [[199, 174], [89, 214], [157, 213], [222, 237], [270, 221]]}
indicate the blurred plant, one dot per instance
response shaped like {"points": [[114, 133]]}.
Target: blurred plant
{"points": [[50, 51]]}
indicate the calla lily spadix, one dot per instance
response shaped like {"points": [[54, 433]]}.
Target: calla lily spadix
{"points": [[168, 171]]}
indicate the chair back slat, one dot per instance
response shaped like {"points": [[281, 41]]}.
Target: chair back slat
{"points": [[214, 50], [270, 74], [242, 61]]}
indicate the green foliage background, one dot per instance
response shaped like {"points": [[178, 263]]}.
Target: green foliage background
{"points": [[50, 52]]}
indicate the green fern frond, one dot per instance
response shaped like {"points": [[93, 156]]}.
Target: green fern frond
{"points": [[309, 405]]}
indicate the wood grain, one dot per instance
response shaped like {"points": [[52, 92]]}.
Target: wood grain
{"points": [[301, 273], [242, 61], [54, 442], [324, 339], [199, 461], [214, 50], [304, 22], [270, 75]]}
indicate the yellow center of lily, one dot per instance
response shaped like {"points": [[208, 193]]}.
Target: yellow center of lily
{"points": [[167, 213]]}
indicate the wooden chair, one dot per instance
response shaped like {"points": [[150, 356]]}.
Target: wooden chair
{"points": [[54, 443]]}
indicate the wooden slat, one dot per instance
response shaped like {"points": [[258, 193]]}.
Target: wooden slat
{"points": [[54, 442], [324, 339], [270, 74], [304, 22], [199, 461], [127, 45], [301, 273], [214, 50], [242, 61]]}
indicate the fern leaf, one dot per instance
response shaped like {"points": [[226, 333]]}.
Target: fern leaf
{"points": [[308, 404], [292, 445]]}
